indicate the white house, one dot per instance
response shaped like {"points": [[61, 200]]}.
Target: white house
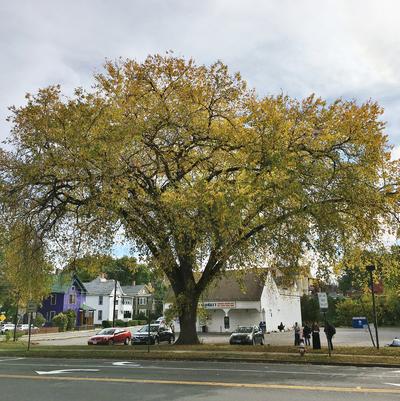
{"points": [[100, 295], [229, 304]]}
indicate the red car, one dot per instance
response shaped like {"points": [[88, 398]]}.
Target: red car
{"points": [[110, 336]]}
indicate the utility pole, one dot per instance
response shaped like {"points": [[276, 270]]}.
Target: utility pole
{"points": [[115, 300], [370, 269]]}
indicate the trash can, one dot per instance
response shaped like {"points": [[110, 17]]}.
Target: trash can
{"points": [[359, 322]]}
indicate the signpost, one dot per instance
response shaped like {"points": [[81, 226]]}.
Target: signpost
{"points": [[30, 308], [323, 306]]}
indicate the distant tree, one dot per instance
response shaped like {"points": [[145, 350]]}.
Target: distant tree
{"points": [[202, 174], [309, 309]]}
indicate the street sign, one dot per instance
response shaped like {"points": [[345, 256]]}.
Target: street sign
{"points": [[31, 307], [323, 300]]}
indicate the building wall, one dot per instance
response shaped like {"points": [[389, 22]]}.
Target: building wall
{"points": [[93, 301], [47, 308], [279, 305], [80, 299]]}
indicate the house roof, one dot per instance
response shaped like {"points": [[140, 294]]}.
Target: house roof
{"points": [[100, 286], [63, 281], [133, 290], [228, 288]]}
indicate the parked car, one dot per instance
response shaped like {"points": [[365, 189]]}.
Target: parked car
{"points": [[110, 336], [25, 327], [158, 333], [160, 320], [247, 335], [6, 327]]}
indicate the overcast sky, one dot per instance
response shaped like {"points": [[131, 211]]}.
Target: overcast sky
{"points": [[346, 48]]}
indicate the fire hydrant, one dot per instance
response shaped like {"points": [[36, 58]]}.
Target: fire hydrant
{"points": [[302, 348]]}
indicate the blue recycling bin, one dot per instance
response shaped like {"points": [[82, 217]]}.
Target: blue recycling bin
{"points": [[359, 322]]}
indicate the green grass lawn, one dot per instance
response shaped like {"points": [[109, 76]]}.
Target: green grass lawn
{"points": [[347, 355]]}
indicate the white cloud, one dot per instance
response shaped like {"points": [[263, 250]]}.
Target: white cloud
{"points": [[334, 48]]}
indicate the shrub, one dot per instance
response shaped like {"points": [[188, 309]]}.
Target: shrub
{"points": [[106, 324], [71, 319], [60, 321], [39, 320], [120, 323], [140, 316], [10, 335]]}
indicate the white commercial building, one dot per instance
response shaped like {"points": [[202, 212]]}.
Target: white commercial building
{"points": [[228, 304]]}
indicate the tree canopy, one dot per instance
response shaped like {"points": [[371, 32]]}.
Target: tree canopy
{"points": [[201, 173]]}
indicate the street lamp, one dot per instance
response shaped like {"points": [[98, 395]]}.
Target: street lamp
{"points": [[370, 269]]}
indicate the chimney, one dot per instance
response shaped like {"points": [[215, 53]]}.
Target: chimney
{"points": [[103, 277]]}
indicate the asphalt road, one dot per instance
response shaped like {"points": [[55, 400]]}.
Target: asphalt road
{"points": [[23, 379]]}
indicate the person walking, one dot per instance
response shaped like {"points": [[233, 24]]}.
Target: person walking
{"points": [[297, 331], [330, 331], [316, 341], [307, 334]]}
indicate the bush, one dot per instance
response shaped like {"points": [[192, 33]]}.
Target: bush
{"points": [[71, 319], [60, 321], [39, 320], [133, 323], [10, 335], [142, 322], [120, 323], [140, 316], [106, 324]]}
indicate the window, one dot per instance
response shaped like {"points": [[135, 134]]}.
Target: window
{"points": [[116, 314], [52, 314], [53, 299], [73, 288], [142, 301], [116, 301], [127, 315], [100, 299], [99, 315], [72, 298]]}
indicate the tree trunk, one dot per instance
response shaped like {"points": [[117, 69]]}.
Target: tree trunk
{"points": [[187, 320]]}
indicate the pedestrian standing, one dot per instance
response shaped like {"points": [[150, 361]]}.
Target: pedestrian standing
{"points": [[307, 334], [330, 331], [316, 341], [297, 331]]}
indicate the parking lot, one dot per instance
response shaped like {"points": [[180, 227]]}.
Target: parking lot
{"points": [[344, 336]]}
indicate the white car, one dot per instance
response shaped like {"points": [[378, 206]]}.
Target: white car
{"points": [[25, 327], [6, 327]]}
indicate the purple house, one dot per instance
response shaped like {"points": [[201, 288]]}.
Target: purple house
{"points": [[67, 292]]}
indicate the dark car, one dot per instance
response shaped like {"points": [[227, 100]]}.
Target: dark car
{"points": [[158, 333], [247, 335], [110, 336]]}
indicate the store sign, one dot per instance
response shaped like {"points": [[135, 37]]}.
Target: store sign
{"points": [[219, 305]]}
